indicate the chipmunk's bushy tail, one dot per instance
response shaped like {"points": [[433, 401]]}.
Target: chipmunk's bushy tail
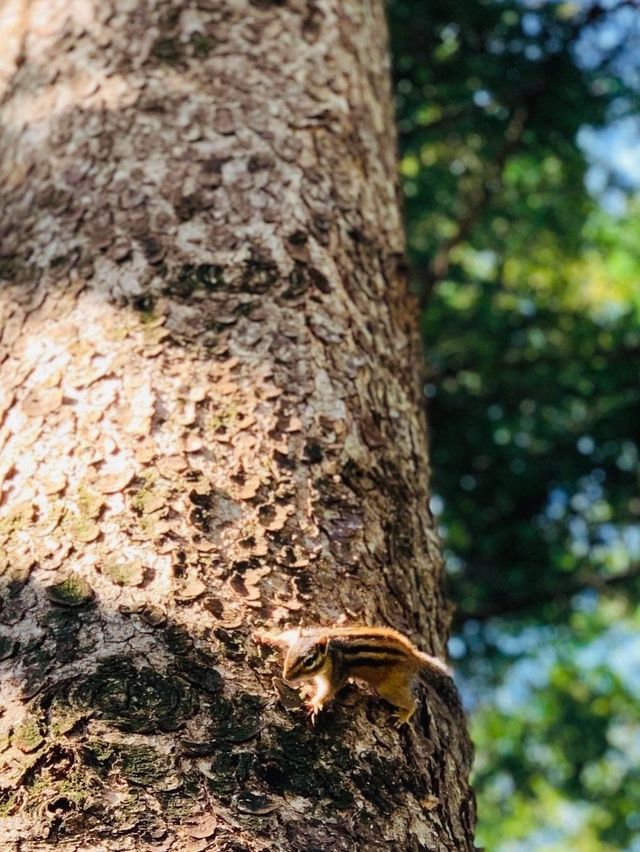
{"points": [[434, 664]]}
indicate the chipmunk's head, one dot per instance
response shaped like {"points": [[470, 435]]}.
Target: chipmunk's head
{"points": [[306, 658]]}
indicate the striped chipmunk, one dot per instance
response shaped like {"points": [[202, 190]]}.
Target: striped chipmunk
{"points": [[330, 656]]}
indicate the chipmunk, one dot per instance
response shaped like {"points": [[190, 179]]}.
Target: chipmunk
{"points": [[330, 656]]}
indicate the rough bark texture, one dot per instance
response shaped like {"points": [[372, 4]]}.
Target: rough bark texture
{"points": [[209, 422]]}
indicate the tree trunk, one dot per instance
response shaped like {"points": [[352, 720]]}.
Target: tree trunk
{"points": [[209, 424]]}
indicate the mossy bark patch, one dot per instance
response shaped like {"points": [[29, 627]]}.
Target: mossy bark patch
{"points": [[142, 764], [124, 573], [73, 591], [28, 737]]}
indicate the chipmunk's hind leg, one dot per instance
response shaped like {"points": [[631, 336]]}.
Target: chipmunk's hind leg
{"points": [[397, 690]]}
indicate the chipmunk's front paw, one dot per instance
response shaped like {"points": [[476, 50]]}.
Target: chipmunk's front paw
{"points": [[313, 709]]}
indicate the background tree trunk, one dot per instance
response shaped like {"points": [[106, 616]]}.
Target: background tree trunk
{"points": [[210, 423]]}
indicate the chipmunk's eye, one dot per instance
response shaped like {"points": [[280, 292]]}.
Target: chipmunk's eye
{"points": [[309, 660]]}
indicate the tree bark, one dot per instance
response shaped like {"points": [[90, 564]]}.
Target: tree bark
{"points": [[209, 423]]}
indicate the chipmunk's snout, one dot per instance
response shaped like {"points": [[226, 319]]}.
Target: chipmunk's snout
{"points": [[288, 671]]}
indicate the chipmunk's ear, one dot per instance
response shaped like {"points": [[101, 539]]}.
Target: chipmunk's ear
{"points": [[289, 637], [324, 644]]}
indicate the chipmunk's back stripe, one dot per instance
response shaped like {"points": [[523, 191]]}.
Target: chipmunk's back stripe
{"points": [[351, 648], [369, 661], [374, 635]]}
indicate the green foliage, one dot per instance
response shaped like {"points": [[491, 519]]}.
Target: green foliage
{"points": [[531, 326], [536, 405], [559, 747]]}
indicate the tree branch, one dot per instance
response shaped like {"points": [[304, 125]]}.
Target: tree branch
{"points": [[491, 181]]}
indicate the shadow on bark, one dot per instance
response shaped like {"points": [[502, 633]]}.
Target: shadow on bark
{"points": [[141, 742]]}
